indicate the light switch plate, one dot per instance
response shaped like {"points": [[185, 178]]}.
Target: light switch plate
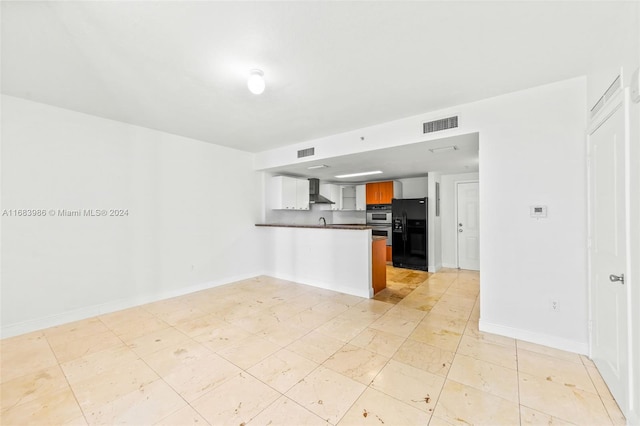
{"points": [[538, 212]]}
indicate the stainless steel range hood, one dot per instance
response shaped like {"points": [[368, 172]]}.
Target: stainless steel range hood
{"points": [[314, 193]]}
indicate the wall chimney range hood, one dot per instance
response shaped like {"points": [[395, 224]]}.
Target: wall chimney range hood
{"points": [[314, 193]]}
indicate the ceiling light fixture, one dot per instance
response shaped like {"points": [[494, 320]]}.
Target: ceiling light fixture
{"points": [[443, 149], [359, 174], [319, 166], [256, 83]]}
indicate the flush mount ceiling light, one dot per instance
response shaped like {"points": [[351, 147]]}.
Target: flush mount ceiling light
{"points": [[256, 83], [358, 174], [319, 166], [443, 149]]}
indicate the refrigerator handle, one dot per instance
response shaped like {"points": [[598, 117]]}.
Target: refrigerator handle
{"points": [[404, 226]]}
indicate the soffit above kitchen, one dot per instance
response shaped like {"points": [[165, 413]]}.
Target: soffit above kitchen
{"points": [[454, 154], [330, 67]]}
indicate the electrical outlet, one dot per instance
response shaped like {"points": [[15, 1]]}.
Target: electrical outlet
{"points": [[553, 305]]}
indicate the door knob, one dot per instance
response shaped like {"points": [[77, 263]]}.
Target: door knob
{"points": [[459, 230], [617, 278]]}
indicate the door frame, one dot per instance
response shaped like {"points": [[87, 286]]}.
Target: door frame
{"points": [[455, 211], [619, 100]]}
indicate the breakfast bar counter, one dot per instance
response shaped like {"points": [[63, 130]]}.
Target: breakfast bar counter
{"points": [[333, 257]]}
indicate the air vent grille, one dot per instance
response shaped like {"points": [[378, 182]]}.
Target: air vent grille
{"points": [[437, 125], [617, 84], [306, 152]]}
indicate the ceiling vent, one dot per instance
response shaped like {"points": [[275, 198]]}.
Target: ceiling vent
{"points": [[612, 90], [306, 152], [437, 125]]}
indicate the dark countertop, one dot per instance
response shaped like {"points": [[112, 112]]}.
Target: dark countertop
{"points": [[328, 226]]}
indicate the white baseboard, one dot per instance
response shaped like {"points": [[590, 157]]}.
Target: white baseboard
{"points": [[35, 324], [534, 337], [333, 287], [449, 265]]}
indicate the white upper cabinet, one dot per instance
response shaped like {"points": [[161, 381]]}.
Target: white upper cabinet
{"points": [[361, 197], [302, 194], [332, 192], [287, 193]]}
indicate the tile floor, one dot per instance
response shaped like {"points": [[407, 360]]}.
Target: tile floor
{"points": [[266, 351]]}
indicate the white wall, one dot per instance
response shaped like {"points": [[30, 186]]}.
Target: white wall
{"points": [[417, 187], [192, 208], [449, 215], [531, 151]]}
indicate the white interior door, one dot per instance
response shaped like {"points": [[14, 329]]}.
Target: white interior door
{"points": [[468, 225], [607, 251]]}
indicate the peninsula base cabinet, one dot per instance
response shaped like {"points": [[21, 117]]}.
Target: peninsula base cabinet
{"points": [[287, 193]]}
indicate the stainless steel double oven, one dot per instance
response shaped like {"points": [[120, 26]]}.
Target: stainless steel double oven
{"points": [[379, 218]]}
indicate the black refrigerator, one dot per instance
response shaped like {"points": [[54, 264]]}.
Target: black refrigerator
{"points": [[409, 233]]}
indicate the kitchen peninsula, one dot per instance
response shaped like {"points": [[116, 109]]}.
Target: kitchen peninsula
{"points": [[334, 257]]}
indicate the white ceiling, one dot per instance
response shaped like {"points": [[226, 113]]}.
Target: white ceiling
{"points": [[398, 162], [330, 67]]}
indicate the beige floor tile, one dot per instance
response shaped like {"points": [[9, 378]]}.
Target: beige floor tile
{"points": [[75, 330], [485, 376], [588, 362], [256, 323], [410, 385], [22, 355], [308, 319], [425, 357], [504, 356], [529, 416], [67, 350], [356, 363], [473, 331], [318, 393], [125, 316], [156, 341], [132, 330], [372, 306], [286, 412], [558, 370], [31, 387], [97, 363], [615, 414], [545, 350], [567, 403], [197, 326], [236, 401], [452, 311], [222, 337], [249, 351], [436, 336], [599, 383], [111, 384], [445, 321], [383, 343], [463, 405], [399, 321], [343, 328], [146, 405], [56, 408], [437, 421], [282, 334], [377, 408], [316, 346], [457, 300], [283, 369], [419, 302], [191, 369], [185, 416]]}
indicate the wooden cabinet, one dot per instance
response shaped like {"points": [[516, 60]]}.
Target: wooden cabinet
{"points": [[378, 265], [383, 192], [289, 193]]}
